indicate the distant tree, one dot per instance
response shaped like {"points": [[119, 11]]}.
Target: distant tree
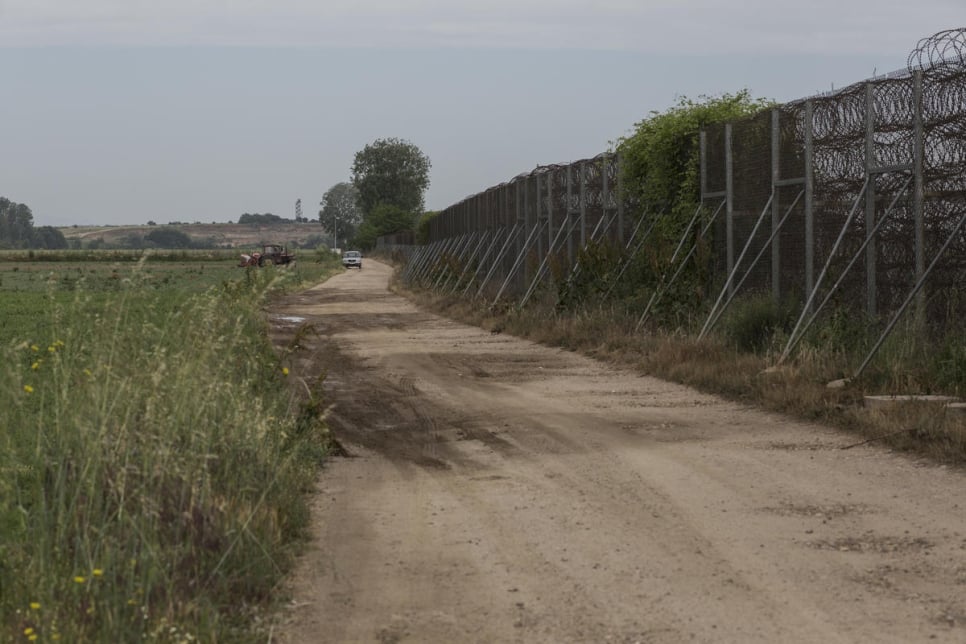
{"points": [[390, 171], [49, 237], [152, 223], [312, 241], [422, 226], [16, 224], [132, 240], [267, 218], [167, 237], [340, 203], [17, 229], [384, 219]]}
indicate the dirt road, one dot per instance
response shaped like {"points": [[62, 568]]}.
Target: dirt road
{"points": [[501, 491]]}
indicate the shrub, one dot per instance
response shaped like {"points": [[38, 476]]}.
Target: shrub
{"points": [[751, 323]]}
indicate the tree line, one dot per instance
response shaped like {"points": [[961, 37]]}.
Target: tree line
{"points": [[269, 218], [17, 229]]}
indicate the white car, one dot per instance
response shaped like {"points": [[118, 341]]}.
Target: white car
{"points": [[352, 258]]}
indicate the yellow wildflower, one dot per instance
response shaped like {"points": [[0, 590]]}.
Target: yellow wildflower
{"points": [[35, 365], [97, 572], [51, 349], [87, 372], [80, 580], [28, 631], [284, 371], [34, 347], [35, 605], [28, 389], [32, 637]]}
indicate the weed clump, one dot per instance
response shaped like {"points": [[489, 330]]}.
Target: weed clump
{"points": [[752, 323]]}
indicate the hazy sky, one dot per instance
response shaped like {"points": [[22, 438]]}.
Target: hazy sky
{"points": [[124, 111]]}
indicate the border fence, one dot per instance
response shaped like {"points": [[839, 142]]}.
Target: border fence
{"points": [[856, 197]]}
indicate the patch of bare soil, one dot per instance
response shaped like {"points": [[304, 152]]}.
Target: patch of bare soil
{"points": [[496, 490]]}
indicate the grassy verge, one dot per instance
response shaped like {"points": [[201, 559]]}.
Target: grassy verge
{"points": [[153, 462], [735, 362]]}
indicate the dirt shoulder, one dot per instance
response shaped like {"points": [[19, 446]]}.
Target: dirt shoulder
{"points": [[500, 490]]}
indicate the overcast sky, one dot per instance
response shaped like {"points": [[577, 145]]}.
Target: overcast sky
{"points": [[124, 111]]}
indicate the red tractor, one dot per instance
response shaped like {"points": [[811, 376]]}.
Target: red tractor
{"points": [[270, 255]]}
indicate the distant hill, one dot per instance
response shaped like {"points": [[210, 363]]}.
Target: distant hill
{"points": [[225, 235]]}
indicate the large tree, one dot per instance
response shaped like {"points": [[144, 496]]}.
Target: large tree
{"points": [[340, 203], [391, 171]]}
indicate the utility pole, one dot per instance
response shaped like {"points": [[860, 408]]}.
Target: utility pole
{"points": [[298, 211]]}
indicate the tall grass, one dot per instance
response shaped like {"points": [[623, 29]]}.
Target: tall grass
{"points": [[152, 468]]}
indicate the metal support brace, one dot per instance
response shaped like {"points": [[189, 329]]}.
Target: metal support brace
{"points": [[458, 254], [469, 262], [427, 256], [432, 252], [575, 270], [918, 194], [460, 260], [543, 265], [583, 204], [569, 211], [469, 250], [912, 294], [774, 233], [776, 181], [618, 160], [427, 252], [809, 196], [486, 255], [664, 285], [629, 256], [871, 260], [434, 260], [821, 275], [416, 261], [727, 290], [519, 260], [795, 339], [451, 253], [499, 257], [414, 258], [729, 198]]}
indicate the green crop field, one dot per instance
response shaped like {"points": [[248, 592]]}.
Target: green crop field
{"points": [[152, 470]]}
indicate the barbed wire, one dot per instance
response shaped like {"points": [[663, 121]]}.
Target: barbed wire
{"points": [[940, 54]]}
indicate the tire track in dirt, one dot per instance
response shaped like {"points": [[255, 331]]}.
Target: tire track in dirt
{"points": [[503, 491]]}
